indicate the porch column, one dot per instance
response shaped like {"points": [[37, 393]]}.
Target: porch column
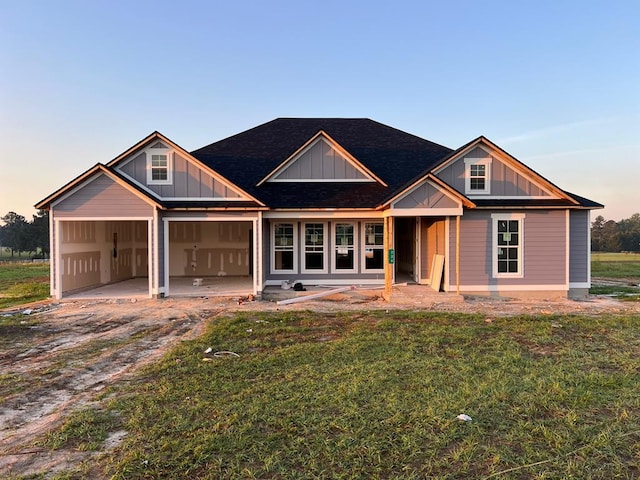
{"points": [[458, 254], [388, 266]]}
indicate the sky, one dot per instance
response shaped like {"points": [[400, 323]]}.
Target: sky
{"points": [[556, 83]]}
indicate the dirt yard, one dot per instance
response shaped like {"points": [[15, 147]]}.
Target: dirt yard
{"points": [[73, 351]]}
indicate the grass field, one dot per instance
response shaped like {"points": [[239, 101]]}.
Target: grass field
{"points": [[616, 265], [363, 395], [23, 282]]}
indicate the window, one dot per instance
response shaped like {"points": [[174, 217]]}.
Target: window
{"points": [[373, 247], [344, 248], [159, 168], [283, 253], [314, 248], [159, 171], [507, 246], [477, 175]]}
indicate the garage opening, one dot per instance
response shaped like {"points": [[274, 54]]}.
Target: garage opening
{"points": [[210, 258], [98, 253]]}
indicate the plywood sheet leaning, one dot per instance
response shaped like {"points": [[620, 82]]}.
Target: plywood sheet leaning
{"points": [[437, 270]]}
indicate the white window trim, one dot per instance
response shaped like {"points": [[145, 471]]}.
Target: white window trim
{"points": [[273, 270], [364, 247], [303, 248], [159, 151], [334, 248], [495, 218], [467, 175]]}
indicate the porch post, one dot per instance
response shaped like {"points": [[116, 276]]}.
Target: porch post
{"points": [[458, 254], [388, 266]]}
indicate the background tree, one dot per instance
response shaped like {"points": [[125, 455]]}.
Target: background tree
{"points": [[597, 227], [38, 233], [610, 241], [629, 233], [14, 233]]}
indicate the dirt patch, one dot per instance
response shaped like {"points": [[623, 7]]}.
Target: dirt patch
{"points": [[74, 352], [67, 353]]}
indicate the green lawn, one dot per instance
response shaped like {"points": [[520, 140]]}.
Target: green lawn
{"points": [[615, 265], [23, 283], [376, 395]]}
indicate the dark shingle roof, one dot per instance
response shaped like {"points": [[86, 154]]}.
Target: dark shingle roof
{"points": [[396, 157], [393, 155]]}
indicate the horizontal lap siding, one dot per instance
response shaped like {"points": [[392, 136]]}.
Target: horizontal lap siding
{"points": [[544, 245], [102, 197], [579, 256], [475, 248], [545, 248]]}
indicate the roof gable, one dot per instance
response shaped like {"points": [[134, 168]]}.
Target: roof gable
{"points": [[388, 155], [190, 179], [510, 178], [84, 179], [321, 159]]}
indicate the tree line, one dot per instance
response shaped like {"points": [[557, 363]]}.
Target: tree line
{"points": [[612, 236], [17, 235]]}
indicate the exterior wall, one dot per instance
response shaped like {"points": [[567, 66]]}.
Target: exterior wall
{"points": [[101, 197], [189, 181], [331, 277], [504, 180], [579, 256], [320, 162], [426, 196], [544, 243]]}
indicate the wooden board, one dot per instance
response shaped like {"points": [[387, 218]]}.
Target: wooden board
{"points": [[437, 270]]}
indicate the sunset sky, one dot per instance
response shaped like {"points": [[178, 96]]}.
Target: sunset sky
{"points": [[554, 83]]}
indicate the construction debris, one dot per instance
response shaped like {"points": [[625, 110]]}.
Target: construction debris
{"points": [[315, 295]]}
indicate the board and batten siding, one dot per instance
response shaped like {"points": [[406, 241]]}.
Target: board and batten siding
{"points": [[102, 197], [321, 162], [543, 243], [505, 181], [579, 255], [189, 180], [426, 196]]}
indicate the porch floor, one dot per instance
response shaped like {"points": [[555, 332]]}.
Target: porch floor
{"points": [[178, 287]]}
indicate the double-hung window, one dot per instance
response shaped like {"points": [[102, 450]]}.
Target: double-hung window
{"points": [[344, 253], [508, 245], [314, 248], [373, 247], [159, 167], [477, 175], [283, 259]]}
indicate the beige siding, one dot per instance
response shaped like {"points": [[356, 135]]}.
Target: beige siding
{"points": [[505, 181], [102, 197], [320, 162]]}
